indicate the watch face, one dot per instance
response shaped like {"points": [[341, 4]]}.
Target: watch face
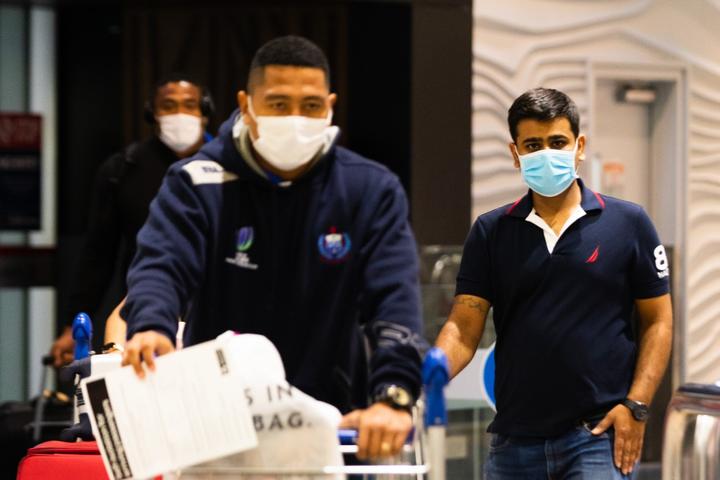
{"points": [[640, 412], [399, 396]]}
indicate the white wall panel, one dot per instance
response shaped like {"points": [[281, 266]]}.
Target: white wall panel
{"points": [[43, 93], [13, 301], [520, 44]]}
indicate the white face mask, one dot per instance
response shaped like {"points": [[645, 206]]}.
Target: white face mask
{"points": [[290, 141], [179, 131]]}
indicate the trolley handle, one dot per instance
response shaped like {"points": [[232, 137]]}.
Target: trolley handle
{"points": [[436, 375], [348, 436]]}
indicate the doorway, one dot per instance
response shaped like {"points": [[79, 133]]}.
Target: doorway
{"points": [[621, 140], [637, 151]]}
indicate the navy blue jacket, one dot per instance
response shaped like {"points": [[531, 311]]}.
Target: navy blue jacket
{"points": [[307, 265]]}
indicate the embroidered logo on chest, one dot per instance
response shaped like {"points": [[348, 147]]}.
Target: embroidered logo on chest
{"points": [[334, 247], [594, 255], [243, 242]]}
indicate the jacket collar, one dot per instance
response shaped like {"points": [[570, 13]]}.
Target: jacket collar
{"points": [[224, 149]]}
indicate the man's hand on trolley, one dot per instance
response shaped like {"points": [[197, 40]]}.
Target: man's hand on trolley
{"points": [[629, 435], [382, 430], [143, 347], [63, 348]]}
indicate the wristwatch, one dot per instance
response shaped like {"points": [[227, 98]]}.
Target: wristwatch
{"points": [[396, 397], [112, 347], [639, 410]]}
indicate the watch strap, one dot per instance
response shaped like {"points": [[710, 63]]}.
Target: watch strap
{"points": [[639, 410]]}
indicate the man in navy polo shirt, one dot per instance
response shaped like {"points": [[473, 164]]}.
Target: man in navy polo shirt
{"points": [[563, 267]]}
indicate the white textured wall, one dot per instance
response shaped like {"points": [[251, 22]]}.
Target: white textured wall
{"points": [[43, 100], [520, 44]]}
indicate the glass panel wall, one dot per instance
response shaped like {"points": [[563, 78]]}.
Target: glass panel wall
{"points": [[468, 414]]}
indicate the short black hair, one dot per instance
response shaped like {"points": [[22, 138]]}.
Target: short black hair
{"points": [[207, 106], [290, 50], [543, 104], [176, 77]]}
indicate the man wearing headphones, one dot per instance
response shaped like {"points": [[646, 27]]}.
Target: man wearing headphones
{"points": [[123, 189]]}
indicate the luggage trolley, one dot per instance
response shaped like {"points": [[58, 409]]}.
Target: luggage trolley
{"points": [[423, 457]]}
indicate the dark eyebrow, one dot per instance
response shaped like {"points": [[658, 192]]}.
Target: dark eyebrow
{"points": [[531, 140], [270, 98], [316, 98], [558, 137]]}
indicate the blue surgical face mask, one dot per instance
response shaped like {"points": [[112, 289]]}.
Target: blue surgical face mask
{"points": [[549, 172]]}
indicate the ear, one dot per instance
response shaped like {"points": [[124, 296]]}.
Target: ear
{"points": [[580, 156], [242, 100], [332, 98], [514, 153]]}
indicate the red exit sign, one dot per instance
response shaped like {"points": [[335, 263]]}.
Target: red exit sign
{"points": [[20, 131]]}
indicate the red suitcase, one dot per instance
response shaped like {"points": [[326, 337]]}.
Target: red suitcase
{"points": [[62, 461]]}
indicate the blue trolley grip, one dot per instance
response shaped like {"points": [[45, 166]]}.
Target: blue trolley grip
{"points": [[347, 436], [435, 377], [82, 334], [80, 368]]}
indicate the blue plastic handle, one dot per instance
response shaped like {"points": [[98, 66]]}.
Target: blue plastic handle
{"points": [[82, 334], [347, 437], [435, 377]]}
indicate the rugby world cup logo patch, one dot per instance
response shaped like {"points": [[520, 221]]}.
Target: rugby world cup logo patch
{"points": [[244, 240], [334, 247]]}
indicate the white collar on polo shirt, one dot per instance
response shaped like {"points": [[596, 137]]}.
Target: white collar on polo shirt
{"points": [[550, 238]]}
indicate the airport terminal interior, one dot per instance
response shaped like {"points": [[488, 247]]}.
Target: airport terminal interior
{"points": [[423, 88]]}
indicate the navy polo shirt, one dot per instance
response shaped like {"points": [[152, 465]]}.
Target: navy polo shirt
{"points": [[565, 344]]}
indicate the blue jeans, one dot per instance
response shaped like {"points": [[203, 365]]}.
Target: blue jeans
{"points": [[576, 455]]}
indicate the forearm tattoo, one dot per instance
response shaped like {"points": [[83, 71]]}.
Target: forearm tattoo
{"points": [[470, 302]]}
